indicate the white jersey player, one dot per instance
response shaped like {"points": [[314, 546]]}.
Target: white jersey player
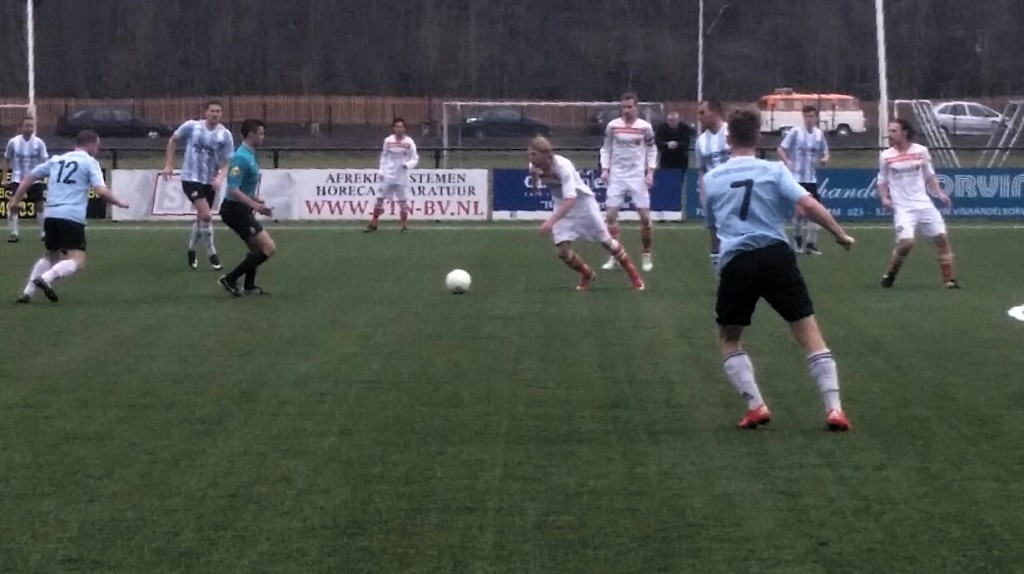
{"points": [[72, 176], [397, 158], [803, 150], [905, 176], [208, 149], [711, 150], [576, 216], [628, 159], [23, 153]]}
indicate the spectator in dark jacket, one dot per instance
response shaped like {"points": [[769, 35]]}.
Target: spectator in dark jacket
{"points": [[673, 138]]}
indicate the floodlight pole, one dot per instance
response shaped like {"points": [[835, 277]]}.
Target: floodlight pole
{"points": [[883, 77], [30, 45], [700, 52]]}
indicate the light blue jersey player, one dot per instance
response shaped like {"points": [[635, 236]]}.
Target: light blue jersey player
{"points": [[749, 199], [72, 176], [711, 150]]}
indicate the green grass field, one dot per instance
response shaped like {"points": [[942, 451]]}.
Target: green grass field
{"points": [[361, 419]]}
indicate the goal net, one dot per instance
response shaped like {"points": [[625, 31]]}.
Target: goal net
{"points": [[495, 133], [17, 99]]}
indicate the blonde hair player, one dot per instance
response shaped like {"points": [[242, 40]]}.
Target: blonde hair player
{"points": [[576, 216], [628, 159], [905, 176]]}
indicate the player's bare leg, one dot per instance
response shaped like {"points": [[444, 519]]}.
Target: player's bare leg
{"points": [[378, 210], [576, 263], [619, 255], [65, 266], [946, 261], [646, 238], [823, 369], [899, 256], [403, 207], [740, 372], [611, 218]]}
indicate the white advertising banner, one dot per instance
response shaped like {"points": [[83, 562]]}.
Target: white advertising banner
{"points": [[317, 194]]}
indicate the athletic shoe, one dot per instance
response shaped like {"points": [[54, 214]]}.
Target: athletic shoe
{"points": [[23, 299], [215, 262], [836, 421], [612, 263], [46, 287], [229, 286], [756, 417], [811, 249], [370, 228], [799, 243], [254, 290], [192, 260], [585, 281], [887, 280], [645, 262], [13, 238], [951, 284]]}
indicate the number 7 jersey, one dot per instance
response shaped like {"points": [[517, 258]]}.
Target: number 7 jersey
{"points": [[750, 200]]}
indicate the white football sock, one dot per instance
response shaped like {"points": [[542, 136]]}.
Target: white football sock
{"points": [[811, 232], [823, 369], [798, 227], [41, 266], [13, 223], [193, 236], [206, 231], [60, 270], [740, 371]]}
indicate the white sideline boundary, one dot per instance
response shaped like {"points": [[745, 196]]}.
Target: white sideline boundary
{"points": [[350, 228]]}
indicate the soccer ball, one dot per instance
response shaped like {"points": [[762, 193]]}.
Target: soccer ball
{"points": [[458, 281]]}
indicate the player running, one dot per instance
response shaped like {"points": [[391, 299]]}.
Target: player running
{"points": [[905, 174], [711, 150], [803, 150], [236, 211], [71, 176], [208, 148], [397, 159], [576, 213], [24, 152], [749, 198], [628, 159]]}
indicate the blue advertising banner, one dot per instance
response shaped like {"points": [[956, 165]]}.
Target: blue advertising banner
{"points": [[852, 194], [515, 199]]}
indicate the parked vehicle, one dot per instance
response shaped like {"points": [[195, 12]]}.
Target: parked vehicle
{"points": [[839, 114], [502, 122], [110, 123], [967, 118]]}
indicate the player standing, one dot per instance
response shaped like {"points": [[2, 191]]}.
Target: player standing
{"points": [[24, 152], [905, 174], [802, 150], [711, 150], [71, 176], [237, 209], [397, 159], [208, 148], [628, 159], [749, 198], [576, 215]]}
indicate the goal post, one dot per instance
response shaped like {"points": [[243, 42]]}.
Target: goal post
{"points": [[500, 125]]}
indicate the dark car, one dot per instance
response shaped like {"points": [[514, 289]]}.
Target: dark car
{"points": [[502, 122], [111, 123], [599, 119]]}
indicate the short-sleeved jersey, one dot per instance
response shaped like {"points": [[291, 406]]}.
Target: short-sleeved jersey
{"points": [[749, 199], [712, 148], [563, 181], [205, 150], [397, 158], [71, 176], [805, 149], [629, 150], [24, 155], [243, 173], [906, 173]]}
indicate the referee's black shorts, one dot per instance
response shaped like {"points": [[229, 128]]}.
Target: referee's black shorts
{"points": [[240, 219], [769, 272]]}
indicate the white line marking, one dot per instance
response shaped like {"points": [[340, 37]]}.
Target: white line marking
{"points": [[1017, 312], [350, 227]]}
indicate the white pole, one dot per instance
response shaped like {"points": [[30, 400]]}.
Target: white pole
{"points": [[30, 43], [700, 53], [883, 78]]}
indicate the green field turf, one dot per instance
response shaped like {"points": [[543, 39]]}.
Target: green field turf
{"points": [[361, 419]]}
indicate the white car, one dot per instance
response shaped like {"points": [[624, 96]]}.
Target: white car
{"points": [[967, 118]]}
